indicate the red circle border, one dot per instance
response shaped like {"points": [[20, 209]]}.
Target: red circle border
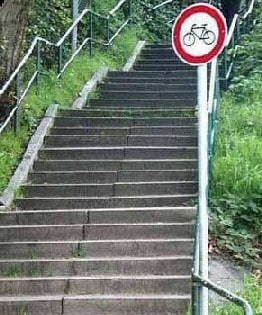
{"points": [[222, 26]]}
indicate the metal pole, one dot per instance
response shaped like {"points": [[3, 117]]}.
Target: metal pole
{"points": [[38, 63], [108, 30], [60, 59], [18, 95], [203, 182], [91, 35], [75, 30]]}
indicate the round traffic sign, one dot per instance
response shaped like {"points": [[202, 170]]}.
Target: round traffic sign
{"points": [[199, 34]]}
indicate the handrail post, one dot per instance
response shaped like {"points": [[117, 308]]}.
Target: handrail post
{"points": [[130, 9], [108, 30], [91, 35], [18, 95], [60, 58], [38, 63]]}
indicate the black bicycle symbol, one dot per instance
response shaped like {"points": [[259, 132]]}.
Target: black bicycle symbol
{"points": [[207, 36]]}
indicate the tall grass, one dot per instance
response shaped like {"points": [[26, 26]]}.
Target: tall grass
{"points": [[237, 177]]}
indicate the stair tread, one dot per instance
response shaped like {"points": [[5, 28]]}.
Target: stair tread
{"points": [[91, 296], [101, 259], [102, 277]]}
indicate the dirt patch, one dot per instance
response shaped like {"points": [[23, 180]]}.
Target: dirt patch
{"points": [[226, 274]]}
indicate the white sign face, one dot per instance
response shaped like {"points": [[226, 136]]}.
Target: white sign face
{"points": [[199, 34]]}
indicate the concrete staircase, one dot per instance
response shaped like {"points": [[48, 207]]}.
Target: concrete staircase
{"points": [[106, 222]]}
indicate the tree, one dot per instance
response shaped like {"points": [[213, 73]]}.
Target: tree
{"points": [[13, 19]]}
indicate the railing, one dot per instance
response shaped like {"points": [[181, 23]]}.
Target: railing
{"points": [[62, 54]]}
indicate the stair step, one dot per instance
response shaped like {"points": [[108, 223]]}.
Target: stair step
{"points": [[37, 268], [127, 112], [143, 305], [123, 122], [158, 50], [102, 177], [95, 231], [162, 67], [189, 103], [147, 95], [126, 131], [158, 46], [155, 74], [96, 285], [73, 177], [110, 190], [31, 305], [118, 153], [152, 80], [96, 249], [98, 216], [147, 87], [113, 165], [103, 140], [165, 61], [106, 202], [95, 304]]}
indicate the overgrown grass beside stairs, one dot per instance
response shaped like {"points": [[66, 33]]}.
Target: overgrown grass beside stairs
{"points": [[237, 178], [63, 92]]}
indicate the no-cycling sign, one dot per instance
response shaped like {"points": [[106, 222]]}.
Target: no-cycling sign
{"points": [[199, 34]]}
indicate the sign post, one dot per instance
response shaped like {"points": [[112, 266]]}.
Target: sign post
{"points": [[198, 37]]}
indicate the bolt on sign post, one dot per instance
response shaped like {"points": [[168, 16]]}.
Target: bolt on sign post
{"points": [[199, 36]]}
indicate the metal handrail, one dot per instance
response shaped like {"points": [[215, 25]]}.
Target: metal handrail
{"points": [[117, 7], [231, 30], [23, 62], [162, 4], [58, 45], [224, 293], [233, 37], [250, 9]]}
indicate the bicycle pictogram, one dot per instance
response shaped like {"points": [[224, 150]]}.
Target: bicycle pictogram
{"points": [[201, 33]]}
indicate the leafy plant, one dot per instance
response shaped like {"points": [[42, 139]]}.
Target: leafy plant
{"points": [[236, 200]]}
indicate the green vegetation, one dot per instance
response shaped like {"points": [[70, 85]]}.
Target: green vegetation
{"points": [[237, 179], [58, 15], [252, 292], [63, 92]]}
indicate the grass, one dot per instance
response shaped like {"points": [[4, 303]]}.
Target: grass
{"points": [[252, 292], [236, 216], [63, 92], [239, 148], [237, 176]]}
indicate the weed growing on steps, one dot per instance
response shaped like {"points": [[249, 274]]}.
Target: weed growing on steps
{"points": [[63, 92], [252, 292]]}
